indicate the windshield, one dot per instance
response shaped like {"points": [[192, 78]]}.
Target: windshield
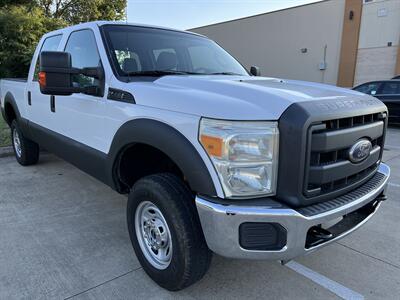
{"points": [[154, 52]]}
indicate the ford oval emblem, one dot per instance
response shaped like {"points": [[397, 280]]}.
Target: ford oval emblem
{"points": [[360, 150]]}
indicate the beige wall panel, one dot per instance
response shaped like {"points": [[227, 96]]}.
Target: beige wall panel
{"points": [[274, 41], [375, 64], [380, 24]]}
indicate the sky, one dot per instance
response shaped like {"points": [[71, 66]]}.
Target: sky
{"points": [[186, 14]]}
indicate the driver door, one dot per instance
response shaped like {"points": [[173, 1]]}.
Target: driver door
{"points": [[80, 116]]}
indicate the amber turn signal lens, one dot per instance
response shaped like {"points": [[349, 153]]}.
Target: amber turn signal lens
{"points": [[42, 78], [213, 145]]}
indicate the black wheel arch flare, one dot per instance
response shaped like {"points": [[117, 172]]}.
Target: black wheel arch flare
{"points": [[23, 123], [168, 140], [10, 100]]}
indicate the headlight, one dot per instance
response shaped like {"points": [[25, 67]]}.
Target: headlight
{"points": [[245, 155]]}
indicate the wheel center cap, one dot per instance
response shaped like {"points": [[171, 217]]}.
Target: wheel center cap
{"points": [[154, 234]]}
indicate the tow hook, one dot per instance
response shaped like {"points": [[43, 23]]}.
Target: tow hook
{"points": [[317, 234], [381, 198]]}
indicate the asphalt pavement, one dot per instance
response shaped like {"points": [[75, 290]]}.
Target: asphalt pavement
{"points": [[63, 235]]}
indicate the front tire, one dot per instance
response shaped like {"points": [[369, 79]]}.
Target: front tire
{"points": [[165, 232], [26, 151]]}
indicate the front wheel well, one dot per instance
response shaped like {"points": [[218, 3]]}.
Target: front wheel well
{"points": [[139, 160]]}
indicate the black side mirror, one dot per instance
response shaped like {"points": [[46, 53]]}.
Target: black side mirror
{"points": [[255, 71], [55, 74], [55, 70]]}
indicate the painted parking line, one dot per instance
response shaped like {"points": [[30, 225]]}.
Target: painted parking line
{"points": [[394, 184], [336, 288]]}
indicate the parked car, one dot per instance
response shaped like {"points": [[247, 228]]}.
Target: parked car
{"points": [[212, 158], [387, 91]]}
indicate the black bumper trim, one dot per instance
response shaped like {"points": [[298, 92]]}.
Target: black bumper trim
{"points": [[322, 207]]}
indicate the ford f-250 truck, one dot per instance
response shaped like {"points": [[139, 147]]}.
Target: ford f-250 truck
{"points": [[213, 158]]}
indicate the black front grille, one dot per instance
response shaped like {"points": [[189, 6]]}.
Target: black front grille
{"points": [[328, 168]]}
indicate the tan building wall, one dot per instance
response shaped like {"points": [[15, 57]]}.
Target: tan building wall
{"points": [[274, 41], [349, 43], [380, 25], [357, 48], [375, 64]]}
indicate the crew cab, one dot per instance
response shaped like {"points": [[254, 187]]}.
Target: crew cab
{"points": [[213, 158]]}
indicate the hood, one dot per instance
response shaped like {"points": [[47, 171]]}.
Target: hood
{"points": [[234, 97]]}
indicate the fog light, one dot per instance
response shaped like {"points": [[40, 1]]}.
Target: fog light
{"points": [[262, 236]]}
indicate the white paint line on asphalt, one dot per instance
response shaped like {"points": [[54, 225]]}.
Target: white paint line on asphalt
{"points": [[336, 288], [394, 184]]}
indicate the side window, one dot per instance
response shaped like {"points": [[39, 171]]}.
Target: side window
{"points": [[49, 44], [369, 88], [391, 88], [83, 49]]}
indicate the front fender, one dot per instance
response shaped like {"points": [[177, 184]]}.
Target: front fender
{"points": [[171, 142]]}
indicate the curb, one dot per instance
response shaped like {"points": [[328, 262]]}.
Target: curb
{"points": [[6, 151]]}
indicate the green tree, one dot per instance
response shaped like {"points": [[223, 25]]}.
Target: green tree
{"points": [[23, 22], [20, 30], [78, 11], [15, 2]]}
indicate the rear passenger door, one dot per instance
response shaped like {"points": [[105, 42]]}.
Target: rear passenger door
{"points": [[38, 105], [390, 95]]}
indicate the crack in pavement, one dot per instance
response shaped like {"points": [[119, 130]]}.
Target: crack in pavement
{"points": [[397, 156], [392, 146], [103, 283], [370, 256]]}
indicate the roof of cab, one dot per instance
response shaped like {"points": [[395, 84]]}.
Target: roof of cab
{"points": [[102, 23]]}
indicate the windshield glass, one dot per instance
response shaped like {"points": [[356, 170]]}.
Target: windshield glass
{"points": [[155, 52]]}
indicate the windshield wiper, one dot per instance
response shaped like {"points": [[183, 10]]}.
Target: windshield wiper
{"points": [[159, 73]]}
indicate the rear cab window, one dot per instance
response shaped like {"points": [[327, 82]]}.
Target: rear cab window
{"points": [[50, 44]]}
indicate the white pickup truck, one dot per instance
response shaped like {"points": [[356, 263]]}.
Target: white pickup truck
{"points": [[213, 158]]}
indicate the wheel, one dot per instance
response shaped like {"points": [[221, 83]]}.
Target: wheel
{"points": [[165, 231], [26, 151]]}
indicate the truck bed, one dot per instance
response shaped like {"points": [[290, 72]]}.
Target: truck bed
{"points": [[16, 79], [14, 87]]}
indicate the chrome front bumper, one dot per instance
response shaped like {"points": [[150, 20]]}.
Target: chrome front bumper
{"points": [[220, 222]]}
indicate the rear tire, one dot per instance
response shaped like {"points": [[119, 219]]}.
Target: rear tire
{"points": [[165, 231], [26, 151]]}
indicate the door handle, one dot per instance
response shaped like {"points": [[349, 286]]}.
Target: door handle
{"points": [[53, 103], [29, 98]]}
